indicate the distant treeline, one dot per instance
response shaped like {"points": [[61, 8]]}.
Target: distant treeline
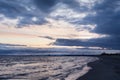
{"points": [[110, 54]]}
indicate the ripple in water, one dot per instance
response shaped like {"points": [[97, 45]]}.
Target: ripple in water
{"points": [[43, 68]]}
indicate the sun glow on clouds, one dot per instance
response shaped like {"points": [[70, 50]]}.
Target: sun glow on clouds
{"points": [[34, 35], [42, 23], [59, 25]]}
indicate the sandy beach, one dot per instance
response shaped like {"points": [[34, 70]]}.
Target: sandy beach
{"points": [[106, 68]]}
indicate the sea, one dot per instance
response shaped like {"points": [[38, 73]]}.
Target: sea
{"points": [[42, 64], [31, 67]]}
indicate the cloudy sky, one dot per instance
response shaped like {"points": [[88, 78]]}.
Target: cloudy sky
{"points": [[60, 23]]}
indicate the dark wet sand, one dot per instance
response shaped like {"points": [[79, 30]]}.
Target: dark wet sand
{"points": [[106, 68]]}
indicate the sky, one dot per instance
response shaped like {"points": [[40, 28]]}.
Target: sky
{"points": [[60, 23]]}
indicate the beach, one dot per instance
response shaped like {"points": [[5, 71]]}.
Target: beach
{"points": [[106, 68]]}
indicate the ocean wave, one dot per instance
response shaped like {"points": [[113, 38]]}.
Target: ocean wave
{"points": [[44, 68]]}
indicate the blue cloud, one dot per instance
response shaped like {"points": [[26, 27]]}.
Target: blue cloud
{"points": [[105, 42], [106, 19], [24, 11], [45, 5], [11, 45]]}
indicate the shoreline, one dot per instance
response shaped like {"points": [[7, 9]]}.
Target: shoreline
{"points": [[106, 68]]}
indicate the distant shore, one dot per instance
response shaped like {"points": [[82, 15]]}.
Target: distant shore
{"points": [[106, 68]]}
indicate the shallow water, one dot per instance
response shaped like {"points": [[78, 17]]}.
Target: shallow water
{"points": [[44, 67]]}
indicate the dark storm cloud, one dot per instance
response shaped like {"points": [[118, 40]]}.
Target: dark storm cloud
{"points": [[106, 42], [22, 10], [7, 7], [107, 17], [69, 42], [107, 20], [27, 9], [45, 5]]}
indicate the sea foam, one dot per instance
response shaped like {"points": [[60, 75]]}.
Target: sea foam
{"points": [[44, 68]]}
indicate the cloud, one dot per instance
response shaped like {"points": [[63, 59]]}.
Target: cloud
{"points": [[1, 44], [45, 5], [49, 5], [98, 17], [9, 46], [47, 37], [104, 42], [11, 50], [75, 5], [7, 6], [26, 11], [107, 17], [42, 36], [23, 11]]}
